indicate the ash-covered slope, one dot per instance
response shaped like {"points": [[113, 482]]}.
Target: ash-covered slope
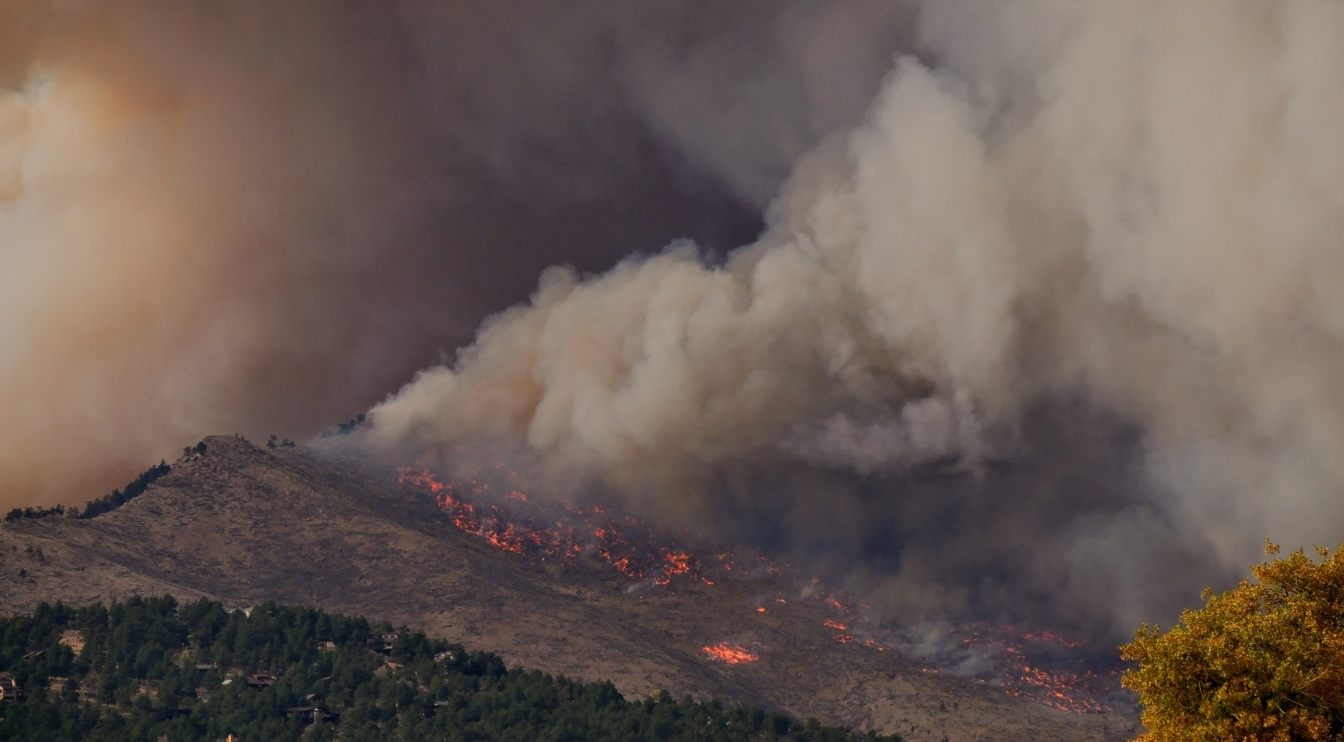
{"points": [[244, 524]]}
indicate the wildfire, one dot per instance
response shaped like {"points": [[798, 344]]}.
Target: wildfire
{"points": [[729, 654], [562, 532], [1045, 667], [832, 601], [1036, 665]]}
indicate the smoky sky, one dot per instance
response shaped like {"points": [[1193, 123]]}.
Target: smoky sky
{"points": [[1021, 309], [262, 217], [1052, 331]]}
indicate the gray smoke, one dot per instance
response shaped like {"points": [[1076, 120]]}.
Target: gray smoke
{"points": [[1054, 330]]}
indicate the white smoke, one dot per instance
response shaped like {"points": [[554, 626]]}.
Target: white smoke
{"points": [[1140, 205]]}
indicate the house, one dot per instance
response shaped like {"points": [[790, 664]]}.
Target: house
{"points": [[207, 668], [260, 680], [326, 646], [385, 640], [310, 714], [9, 688]]}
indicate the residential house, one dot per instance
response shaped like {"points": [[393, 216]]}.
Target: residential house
{"points": [[9, 688]]}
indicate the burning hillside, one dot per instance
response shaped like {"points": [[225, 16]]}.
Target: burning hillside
{"points": [[729, 653], [1037, 665], [223, 525], [494, 504]]}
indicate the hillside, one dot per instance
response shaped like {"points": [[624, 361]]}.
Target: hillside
{"points": [[148, 668], [243, 525]]}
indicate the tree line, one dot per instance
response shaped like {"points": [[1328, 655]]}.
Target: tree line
{"points": [[108, 502], [149, 668], [111, 501]]}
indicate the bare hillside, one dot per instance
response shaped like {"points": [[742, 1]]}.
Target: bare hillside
{"points": [[244, 524]]}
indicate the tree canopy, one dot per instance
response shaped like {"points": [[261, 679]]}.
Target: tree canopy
{"points": [[1262, 662], [145, 669]]}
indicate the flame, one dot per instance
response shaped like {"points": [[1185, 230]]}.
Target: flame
{"points": [[728, 654], [1034, 665], [629, 545], [1044, 667], [832, 601], [677, 564]]}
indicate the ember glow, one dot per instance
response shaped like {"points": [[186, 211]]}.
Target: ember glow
{"points": [[1037, 665], [557, 531], [728, 654]]}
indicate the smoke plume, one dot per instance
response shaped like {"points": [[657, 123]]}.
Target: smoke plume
{"points": [[259, 217], [1056, 328], [1039, 313]]}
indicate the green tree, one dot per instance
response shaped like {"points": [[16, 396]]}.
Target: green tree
{"points": [[139, 676]]}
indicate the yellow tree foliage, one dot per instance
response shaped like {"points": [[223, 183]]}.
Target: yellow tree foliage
{"points": [[1262, 662]]}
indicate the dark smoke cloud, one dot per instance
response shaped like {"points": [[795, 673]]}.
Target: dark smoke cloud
{"points": [[1040, 314], [1055, 331], [262, 216]]}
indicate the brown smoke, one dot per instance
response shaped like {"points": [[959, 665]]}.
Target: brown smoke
{"points": [[1062, 318], [261, 216]]}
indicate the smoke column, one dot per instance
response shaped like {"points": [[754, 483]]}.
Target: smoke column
{"points": [[1056, 329], [260, 217]]}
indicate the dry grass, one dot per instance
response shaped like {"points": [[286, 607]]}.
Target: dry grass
{"points": [[244, 525]]}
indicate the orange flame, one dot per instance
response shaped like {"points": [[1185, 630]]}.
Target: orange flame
{"points": [[1076, 691], [627, 544], [564, 532], [729, 654]]}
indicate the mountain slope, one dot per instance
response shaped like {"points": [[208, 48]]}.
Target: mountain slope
{"points": [[243, 524]]}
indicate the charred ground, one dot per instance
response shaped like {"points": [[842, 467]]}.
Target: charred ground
{"points": [[244, 524]]}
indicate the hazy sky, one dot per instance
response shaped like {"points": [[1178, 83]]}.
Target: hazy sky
{"points": [[264, 216]]}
